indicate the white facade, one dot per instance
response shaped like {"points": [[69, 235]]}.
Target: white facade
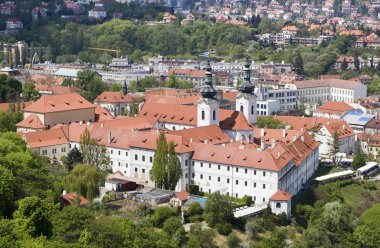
{"points": [[207, 112], [246, 103], [347, 144], [268, 107]]}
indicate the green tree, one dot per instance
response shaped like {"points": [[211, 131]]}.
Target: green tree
{"points": [[32, 218], [171, 225], [29, 92], [68, 82], [298, 64], [334, 147], [218, 209], [161, 214], [7, 186], [84, 180], [9, 119], [344, 65], [93, 153], [367, 232], [199, 237], [174, 170], [269, 122], [233, 241], [357, 63], [10, 89], [359, 160], [116, 87], [158, 173], [73, 157], [91, 84]]}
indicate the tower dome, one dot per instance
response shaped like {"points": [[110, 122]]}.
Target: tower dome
{"points": [[247, 87], [208, 90]]}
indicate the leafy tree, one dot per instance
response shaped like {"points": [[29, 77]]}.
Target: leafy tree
{"points": [[73, 157], [269, 122], [174, 170], [275, 240], [357, 63], [91, 84], [359, 160], [171, 225], [233, 241], [253, 227], [29, 92], [218, 209], [161, 214], [194, 212], [9, 119], [158, 173], [7, 186], [298, 63], [116, 87], [32, 218], [368, 231], [199, 237], [69, 222], [93, 153], [334, 147], [10, 89], [84, 180], [68, 82]]}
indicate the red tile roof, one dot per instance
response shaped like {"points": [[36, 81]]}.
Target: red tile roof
{"points": [[69, 199], [32, 121], [58, 103], [5, 106], [281, 195], [46, 138], [207, 134], [114, 97], [182, 196], [334, 108], [339, 83]]}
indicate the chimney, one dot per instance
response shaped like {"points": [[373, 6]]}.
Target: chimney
{"points": [[283, 132], [302, 129], [262, 144], [81, 123], [102, 125], [64, 192], [241, 147], [223, 144], [231, 140], [109, 137], [262, 132], [206, 141], [303, 138], [241, 140], [88, 123], [328, 123], [278, 154], [344, 126], [191, 140], [294, 138], [273, 143]]}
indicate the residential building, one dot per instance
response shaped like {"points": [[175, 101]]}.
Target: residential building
{"points": [[372, 126], [357, 120], [98, 12], [350, 63], [59, 109], [14, 23], [332, 109]]}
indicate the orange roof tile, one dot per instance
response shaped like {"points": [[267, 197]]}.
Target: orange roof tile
{"points": [[5, 106], [182, 196], [57, 103], [102, 114], [70, 197], [281, 195], [46, 138], [332, 107], [114, 97], [32, 121], [210, 134], [339, 83]]}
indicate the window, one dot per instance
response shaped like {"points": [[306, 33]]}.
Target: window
{"points": [[192, 163], [218, 179], [63, 149], [263, 199], [254, 185], [241, 108], [136, 157], [111, 162], [254, 172], [151, 159], [119, 152], [264, 173], [201, 176], [278, 205], [209, 178], [246, 171], [203, 114], [126, 154], [214, 115], [192, 175], [186, 175], [236, 195], [252, 110], [218, 166], [135, 169], [209, 166], [186, 162], [44, 152], [245, 183], [228, 168], [111, 151], [201, 164], [237, 169], [263, 185], [143, 158], [228, 180], [118, 163], [237, 182], [54, 151]]}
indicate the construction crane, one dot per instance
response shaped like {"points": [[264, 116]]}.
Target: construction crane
{"points": [[117, 51]]}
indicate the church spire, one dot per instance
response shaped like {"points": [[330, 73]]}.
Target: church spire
{"points": [[208, 90], [124, 88], [247, 87]]}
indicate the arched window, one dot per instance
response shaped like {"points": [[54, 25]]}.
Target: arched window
{"points": [[241, 108], [278, 205], [214, 115], [252, 109], [203, 114]]}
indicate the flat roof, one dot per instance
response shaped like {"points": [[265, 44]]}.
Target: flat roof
{"points": [[367, 167], [334, 175]]}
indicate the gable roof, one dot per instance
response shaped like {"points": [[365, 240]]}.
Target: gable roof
{"points": [[114, 97], [207, 134], [281, 195], [32, 121], [6, 106], [46, 138], [334, 108], [58, 103], [338, 83], [187, 115]]}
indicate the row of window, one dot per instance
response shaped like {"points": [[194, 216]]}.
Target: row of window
{"points": [[227, 181], [53, 151], [228, 168], [237, 195]]}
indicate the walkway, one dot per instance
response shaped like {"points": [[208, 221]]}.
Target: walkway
{"points": [[246, 211]]}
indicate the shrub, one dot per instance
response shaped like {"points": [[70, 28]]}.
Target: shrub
{"points": [[253, 227], [171, 225], [224, 229], [233, 241], [160, 215]]}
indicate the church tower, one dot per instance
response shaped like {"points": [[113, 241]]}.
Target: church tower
{"points": [[208, 106], [246, 99]]}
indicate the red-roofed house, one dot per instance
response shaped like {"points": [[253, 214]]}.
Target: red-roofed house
{"points": [[281, 202], [332, 109], [71, 198]]}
